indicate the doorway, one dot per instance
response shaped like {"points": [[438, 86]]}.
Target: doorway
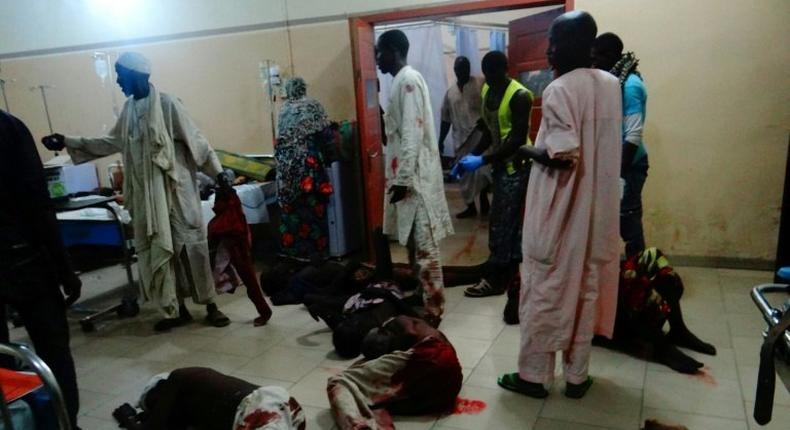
{"points": [[525, 27]]}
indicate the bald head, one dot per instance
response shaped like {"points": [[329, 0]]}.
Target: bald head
{"points": [[571, 37]]}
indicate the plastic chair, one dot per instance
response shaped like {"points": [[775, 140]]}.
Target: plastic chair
{"points": [[23, 353]]}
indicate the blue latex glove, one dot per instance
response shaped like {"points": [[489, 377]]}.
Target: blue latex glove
{"points": [[456, 172], [470, 163]]}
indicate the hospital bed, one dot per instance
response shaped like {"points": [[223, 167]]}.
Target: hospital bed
{"points": [[92, 220], [775, 351]]}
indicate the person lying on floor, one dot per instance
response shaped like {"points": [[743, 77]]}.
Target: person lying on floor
{"points": [[352, 317], [199, 398], [649, 295], [410, 368]]}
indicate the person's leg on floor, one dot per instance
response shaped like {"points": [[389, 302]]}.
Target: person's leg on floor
{"points": [[424, 251], [671, 289], [241, 260], [46, 324], [355, 392]]}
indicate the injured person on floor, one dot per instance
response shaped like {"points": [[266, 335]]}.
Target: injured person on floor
{"points": [[199, 398], [410, 368]]}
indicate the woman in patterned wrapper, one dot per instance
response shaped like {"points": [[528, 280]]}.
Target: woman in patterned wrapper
{"points": [[303, 187]]}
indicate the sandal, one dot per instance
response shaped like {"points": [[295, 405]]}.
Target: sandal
{"points": [[577, 391], [483, 289], [512, 382], [215, 317]]}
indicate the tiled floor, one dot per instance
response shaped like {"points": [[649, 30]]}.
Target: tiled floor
{"points": [[295, 352]]}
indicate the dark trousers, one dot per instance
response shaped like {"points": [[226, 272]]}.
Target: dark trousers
{"points": [[506, 216], [44, 317], [631, 208]]}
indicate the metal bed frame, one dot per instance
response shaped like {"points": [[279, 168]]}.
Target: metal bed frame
{"points": [[27, 356]]}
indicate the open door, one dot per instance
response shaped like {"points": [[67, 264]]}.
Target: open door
{"points": [[368, 111], [528, 41]]}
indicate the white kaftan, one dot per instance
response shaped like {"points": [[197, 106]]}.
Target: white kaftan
{"points": [[162, 150], [422, 218], [412, 159], [461, 108], [571, 237]]}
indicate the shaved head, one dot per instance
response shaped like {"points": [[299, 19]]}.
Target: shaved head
{"points": [[571, 38]]}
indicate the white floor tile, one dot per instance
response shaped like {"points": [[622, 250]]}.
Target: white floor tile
{"points": [[549, 424], [318, 418], [311, 390], [692, 394], [504, 410], [779, 419], [472, 326], [692, 421], [748, 376], [469, 351], [284, 363], [747, 349], [606, 404]]}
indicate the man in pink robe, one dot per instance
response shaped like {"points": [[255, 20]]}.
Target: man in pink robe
{"points": [[571, 237]]}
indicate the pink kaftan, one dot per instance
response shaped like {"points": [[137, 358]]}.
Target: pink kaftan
{"points": [[571, 240]]}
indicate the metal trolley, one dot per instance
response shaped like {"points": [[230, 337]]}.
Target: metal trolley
{"points": [[27, 356], [775, 351]]}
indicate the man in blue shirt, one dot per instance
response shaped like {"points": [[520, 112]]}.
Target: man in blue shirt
{"points": [[608, 55]]}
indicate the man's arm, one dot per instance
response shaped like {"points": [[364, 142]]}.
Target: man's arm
{"points": [[520, 106], [633, 124], [443, 131], [446, 123], [561, 140], [485, 139]]}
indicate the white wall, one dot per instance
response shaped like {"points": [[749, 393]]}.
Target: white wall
{"points": [[40, 25]]}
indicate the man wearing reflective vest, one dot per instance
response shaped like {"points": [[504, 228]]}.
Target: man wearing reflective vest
{"points": [[505, 126]]}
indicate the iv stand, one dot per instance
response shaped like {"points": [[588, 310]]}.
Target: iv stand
{"points": [[5, 97], [43, 89]]}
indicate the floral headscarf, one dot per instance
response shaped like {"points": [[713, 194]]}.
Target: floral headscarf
{"points": [[300, 116]]}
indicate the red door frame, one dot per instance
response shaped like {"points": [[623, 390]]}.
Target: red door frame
{"points": [[429, 12]]}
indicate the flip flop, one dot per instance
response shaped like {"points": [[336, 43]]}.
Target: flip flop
{"points": [[577, 391], [512, 382]]}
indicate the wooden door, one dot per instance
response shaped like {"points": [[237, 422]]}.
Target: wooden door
{"points": [[368, 111], [527, 44]]}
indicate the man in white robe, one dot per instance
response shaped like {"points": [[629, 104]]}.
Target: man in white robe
{"points": [[461, 112], [162, 151], [570, 271], [415, 208]]}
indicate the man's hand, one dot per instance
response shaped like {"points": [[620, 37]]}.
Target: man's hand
{"points": [[72, 287], [523, 154], [470, 163], [456, 172], [398, 192], [54, 142]]}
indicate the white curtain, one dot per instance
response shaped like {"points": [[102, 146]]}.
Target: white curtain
{"points": [[466, 45], [496, 40], [426, 55]]}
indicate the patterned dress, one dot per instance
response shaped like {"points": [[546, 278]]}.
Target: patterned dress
{"points": [[303, 187]]}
